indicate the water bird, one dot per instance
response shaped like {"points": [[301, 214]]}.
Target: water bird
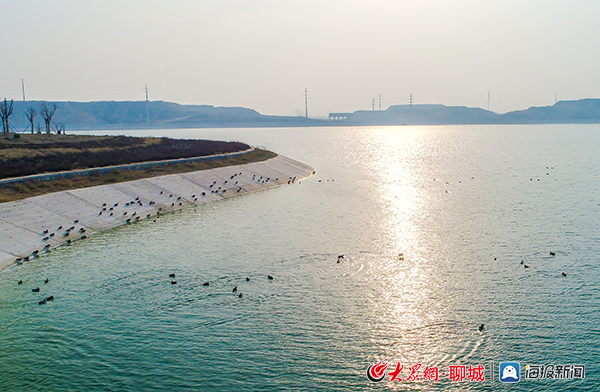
{"points": [[525, 266], [59, 228], [21, 282], [494, 259], [171, 275], [50, 298], [36, 290], [206, 284], [234, 289], [247, 279], [83, 237], [161, 192], [46, 281], [173, 282], [76, 221], [269, 277], [45, 231], [240, 296], [552, 254], [481, 328], [42, 302], [563, 274], [522, 262]]}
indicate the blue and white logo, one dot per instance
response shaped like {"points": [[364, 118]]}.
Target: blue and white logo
{"points": [[510, 372]]}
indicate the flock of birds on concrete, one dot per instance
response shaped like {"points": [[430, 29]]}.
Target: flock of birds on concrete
{"points": [[127, 212]]}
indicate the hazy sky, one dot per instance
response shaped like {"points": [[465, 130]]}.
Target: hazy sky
{"points": [[262, 54]]}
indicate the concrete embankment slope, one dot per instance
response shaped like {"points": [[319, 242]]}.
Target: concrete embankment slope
{"points": [[32, 226]]}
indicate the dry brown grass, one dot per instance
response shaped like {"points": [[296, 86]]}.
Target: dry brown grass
{"points": [[36, 188]]}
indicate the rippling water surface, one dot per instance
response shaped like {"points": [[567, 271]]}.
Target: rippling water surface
{"points": [[463, 204]]}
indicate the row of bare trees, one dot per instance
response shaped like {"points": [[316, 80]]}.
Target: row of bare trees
{"points": [[46, 111]]}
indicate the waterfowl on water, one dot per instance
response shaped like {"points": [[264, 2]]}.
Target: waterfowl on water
{"points": [[50, 298], [21, 282], [552, 254], [171, 275], [247, 279], [234, 289], [563, 274], [173, 282], [46, 281], [269, 277], [481, 328], [36, 290], [206, 284], [525, 266]]}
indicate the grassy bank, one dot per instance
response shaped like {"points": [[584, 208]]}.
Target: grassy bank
{"points": [[19, 150], [35, 154]]}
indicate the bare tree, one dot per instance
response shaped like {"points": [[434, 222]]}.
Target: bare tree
{"points": [[59, 128], [30, 113], [6, 110], [47, 115]]}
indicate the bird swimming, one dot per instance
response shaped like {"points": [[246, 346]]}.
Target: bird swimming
{"points": [[269, 277], [552, 254], [171, 275], [234, 289], [481, 328]]}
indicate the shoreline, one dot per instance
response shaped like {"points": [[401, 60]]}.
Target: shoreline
{"points": [[32, 226]]}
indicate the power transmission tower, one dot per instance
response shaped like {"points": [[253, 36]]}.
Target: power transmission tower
{"points": [[379, 101], [23, 88], [373, 105], [488, 101], [147, 106], [306, 103], [411, 99]]}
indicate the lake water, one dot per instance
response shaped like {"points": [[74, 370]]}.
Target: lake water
{"points": [[463, 204]]}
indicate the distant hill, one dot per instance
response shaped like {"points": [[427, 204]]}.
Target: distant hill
{"points": [[135, 114], [562, 112], [159, 114]]}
